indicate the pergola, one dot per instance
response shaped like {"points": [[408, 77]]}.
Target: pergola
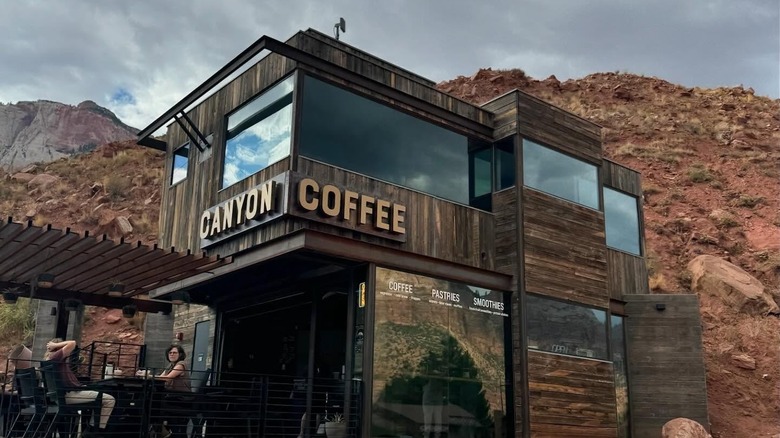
{"points": [[51, 264]]}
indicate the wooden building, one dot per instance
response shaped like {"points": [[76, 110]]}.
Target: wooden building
{"points": [[467, 270]]}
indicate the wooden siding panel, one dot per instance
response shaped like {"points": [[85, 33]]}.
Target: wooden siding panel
{"points": [[565, 249], [571, 397], [621, 178], [627, 274], [666, 374], [545, 123], [434, 227]]}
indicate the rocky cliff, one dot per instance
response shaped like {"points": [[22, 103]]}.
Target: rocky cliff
{"points": [[43, 131]]}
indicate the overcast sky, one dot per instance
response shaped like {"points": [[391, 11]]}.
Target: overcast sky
{"points": [[140, 57]]}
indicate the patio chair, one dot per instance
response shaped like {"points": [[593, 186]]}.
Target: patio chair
{"points": [[32, 404], [65, 417]]}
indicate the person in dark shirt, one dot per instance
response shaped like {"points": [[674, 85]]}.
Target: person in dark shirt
{"points": [[57, 351]]}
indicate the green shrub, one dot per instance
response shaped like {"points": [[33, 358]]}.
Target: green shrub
{"points": [[699, 174], [17, 321]]}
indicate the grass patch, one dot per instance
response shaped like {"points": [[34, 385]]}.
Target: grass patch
{"points": [[699, 173], [747, 201], [17, 321]]}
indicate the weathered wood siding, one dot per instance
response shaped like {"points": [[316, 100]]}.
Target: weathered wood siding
{"points": [[621, 178], [627, 274], [565, 249], [542, 122], [571, 397], [505, 110], [183, 203], [434, 227], [666, 374]]}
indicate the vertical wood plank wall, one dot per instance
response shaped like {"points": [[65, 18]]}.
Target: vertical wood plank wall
{"points": [[666, 374], [571, 397]]}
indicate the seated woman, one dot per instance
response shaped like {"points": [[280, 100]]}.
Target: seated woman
{"points": [[177, 379], [57, 351]]}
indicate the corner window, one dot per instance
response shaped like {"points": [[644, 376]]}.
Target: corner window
{"points": [[560, 175], [565, 328], [621, 218], [181, 158], [505, 163], [258, 134], [480, 179]]}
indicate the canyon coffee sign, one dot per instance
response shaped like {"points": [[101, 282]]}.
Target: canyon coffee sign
{"points": [[298, 195]]}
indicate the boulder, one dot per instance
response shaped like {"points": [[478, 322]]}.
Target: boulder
{"points": [[112, 318], [23, 177], [123, 225], [744, 361], [743, 292], [42, 180], [684, 428]]}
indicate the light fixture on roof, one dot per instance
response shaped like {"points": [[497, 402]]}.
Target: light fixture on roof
{"points": [[116, 289], [342, 25], [45, 280], [180, 297], [129, 311], [10, 296]]}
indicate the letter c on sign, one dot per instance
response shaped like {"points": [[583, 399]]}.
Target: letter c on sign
{"points": [[205, 226], [306, 186]]}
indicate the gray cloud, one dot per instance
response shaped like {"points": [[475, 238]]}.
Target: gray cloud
{"points": [[159, 51]]}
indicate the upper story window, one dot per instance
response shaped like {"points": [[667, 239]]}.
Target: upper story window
{"points": [[258, 134], [181, 158], [504, 163], [560, 175], [621, 219], [344, 129], [565, 328]]}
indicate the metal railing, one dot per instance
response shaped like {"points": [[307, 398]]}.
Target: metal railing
{"points": [[219, 405]]}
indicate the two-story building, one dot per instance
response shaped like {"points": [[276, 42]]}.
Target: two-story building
{"points": [[464, 270]]}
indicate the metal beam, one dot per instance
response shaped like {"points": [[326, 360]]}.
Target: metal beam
{"points": [[90, 299]]}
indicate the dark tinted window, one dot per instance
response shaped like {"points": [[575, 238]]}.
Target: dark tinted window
{"points": [[346, 130], [258, 134], [560, 175], [439, 358], [621, 218], [505, 163], [564, 328], [181, 158]]}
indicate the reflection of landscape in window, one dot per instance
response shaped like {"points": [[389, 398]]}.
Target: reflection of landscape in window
{"points": [[560, 175], [621, 380], [438, 358], [259, 133], [564, 328]]}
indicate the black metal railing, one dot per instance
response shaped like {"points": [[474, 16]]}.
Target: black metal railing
{"points": [[219, 405]]}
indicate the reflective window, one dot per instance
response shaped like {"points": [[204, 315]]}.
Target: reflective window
{"points": [[181, 158], [618, 347], [565, 328], [258, 134], [560, 175], [344, 129], [481, 178], [621, 217], [505, 163], [439, 352]]}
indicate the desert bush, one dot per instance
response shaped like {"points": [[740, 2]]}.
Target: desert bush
{"points": [[116, 186], [698, 173], [17, 321], [748, 201]]}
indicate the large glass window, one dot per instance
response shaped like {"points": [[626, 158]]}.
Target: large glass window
{"points": [[560, 175], [439, 358], [621, 217], [344, 129], [618, 344], [565, 328], [181, 158], [258, 134]]}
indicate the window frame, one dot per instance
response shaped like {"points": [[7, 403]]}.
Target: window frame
{"points": [[171, 182], [253, 119]]}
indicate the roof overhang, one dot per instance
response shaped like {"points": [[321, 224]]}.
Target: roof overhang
{"points": [[84, 267]]}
